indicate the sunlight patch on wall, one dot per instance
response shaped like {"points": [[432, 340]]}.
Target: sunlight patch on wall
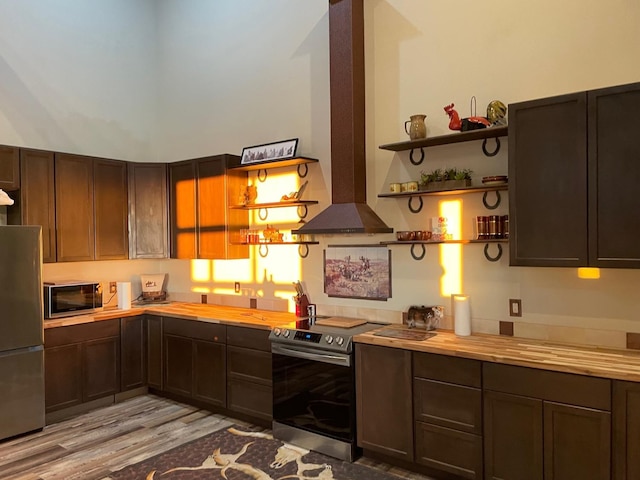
{"points": [[451, 255], [201, 270], [227, 272]]}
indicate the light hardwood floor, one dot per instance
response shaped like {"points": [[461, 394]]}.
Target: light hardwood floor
{"points": [[92, 445]]}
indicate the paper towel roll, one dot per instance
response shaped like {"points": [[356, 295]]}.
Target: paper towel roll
{"points": [[124, 295], [461, 315]]}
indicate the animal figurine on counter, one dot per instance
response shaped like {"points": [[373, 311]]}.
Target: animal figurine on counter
{"points": [[466, 124], [5, 199]]}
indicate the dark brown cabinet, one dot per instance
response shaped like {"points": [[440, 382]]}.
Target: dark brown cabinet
{"points": [[63, 374], [572, 163], [545, 425], [91, 208], [101, 362], [202, 222], [249, 374], [154, 352], [195, 360], [82, 363], [75, 225], [36, 205], [614, 173], [148, 210], [133, 360], [626, 430], [513, 437], [384, 401], [9, 168], [110, 209], [448, 414]]}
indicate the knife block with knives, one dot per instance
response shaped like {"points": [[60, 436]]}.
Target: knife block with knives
{"points": [[301, 299]]}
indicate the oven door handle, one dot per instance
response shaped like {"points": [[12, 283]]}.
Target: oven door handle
{"points": [[335, 359]]}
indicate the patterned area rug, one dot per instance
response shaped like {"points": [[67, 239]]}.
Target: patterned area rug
{"points": [[237, 453]]}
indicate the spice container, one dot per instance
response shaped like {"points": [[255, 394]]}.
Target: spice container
{"points": [[494, 227], [482, 227], [504, 220]]}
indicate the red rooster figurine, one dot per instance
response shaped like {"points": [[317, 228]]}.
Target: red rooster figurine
{"points": [[469, 123]]}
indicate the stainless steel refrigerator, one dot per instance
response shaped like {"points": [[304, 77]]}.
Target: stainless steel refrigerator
{"points": [[21, 331]]}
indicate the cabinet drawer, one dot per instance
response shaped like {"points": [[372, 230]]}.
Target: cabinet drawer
{"points": [[81, 333], [449, 450], [567, 388], [249, 365], [250, 398], [249, 338], [462, 371], [212, 332], [448, 405]]}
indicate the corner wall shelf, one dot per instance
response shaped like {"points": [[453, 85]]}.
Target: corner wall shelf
{"points": [[263, 207], [482, 134], [257, 206], [263, 247], [287, 162]]}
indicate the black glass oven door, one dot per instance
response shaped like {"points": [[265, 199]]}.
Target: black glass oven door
{"points": [[314, 396]]}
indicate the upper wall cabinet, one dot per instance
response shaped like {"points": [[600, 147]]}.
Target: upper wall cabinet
{"points": [[37, 198], [74, 208], [201, 192], [110, 209], [91, 208], [574, 165], [9, 168], [148, 211]]}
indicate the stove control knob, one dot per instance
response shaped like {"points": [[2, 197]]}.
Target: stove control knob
{"points": [[286, 333], [329, 339], [276, 332], [339, 340]]}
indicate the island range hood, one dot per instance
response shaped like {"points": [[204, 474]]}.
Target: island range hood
{"points": [[348, 212]]}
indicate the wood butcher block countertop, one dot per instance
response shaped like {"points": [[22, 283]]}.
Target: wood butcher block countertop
{"points": [[248, 317], [584, 360]]}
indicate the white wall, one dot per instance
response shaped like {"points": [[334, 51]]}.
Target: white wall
{"points": [[234, 75], [425, 55], [231, 75], [78, 76]]}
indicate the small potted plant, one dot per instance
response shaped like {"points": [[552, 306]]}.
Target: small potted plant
{"points": [[445, 179]]}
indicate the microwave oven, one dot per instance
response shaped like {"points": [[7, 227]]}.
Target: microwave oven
{"points": [[71, 298]]}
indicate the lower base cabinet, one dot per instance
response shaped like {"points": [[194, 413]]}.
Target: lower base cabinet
{"points": [[383, 401], [449, 450], [626, 430], [513, 437], [447, 404], [82, 363], [194, 360], [209, 378], [545, 425], [249, 375], [133, 361], [154, 352]]}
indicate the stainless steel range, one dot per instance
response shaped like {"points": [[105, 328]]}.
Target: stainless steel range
{"points": [[314, 384]]}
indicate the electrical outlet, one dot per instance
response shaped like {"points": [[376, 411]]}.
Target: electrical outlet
{"points": [[236, 287], [515, 307], [113, 287]]}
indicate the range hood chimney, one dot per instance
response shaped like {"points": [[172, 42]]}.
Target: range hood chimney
{"points": [[348, 212]]}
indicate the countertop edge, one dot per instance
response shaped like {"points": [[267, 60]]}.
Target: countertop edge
{"points": [[255, 318], [576, 359]]}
